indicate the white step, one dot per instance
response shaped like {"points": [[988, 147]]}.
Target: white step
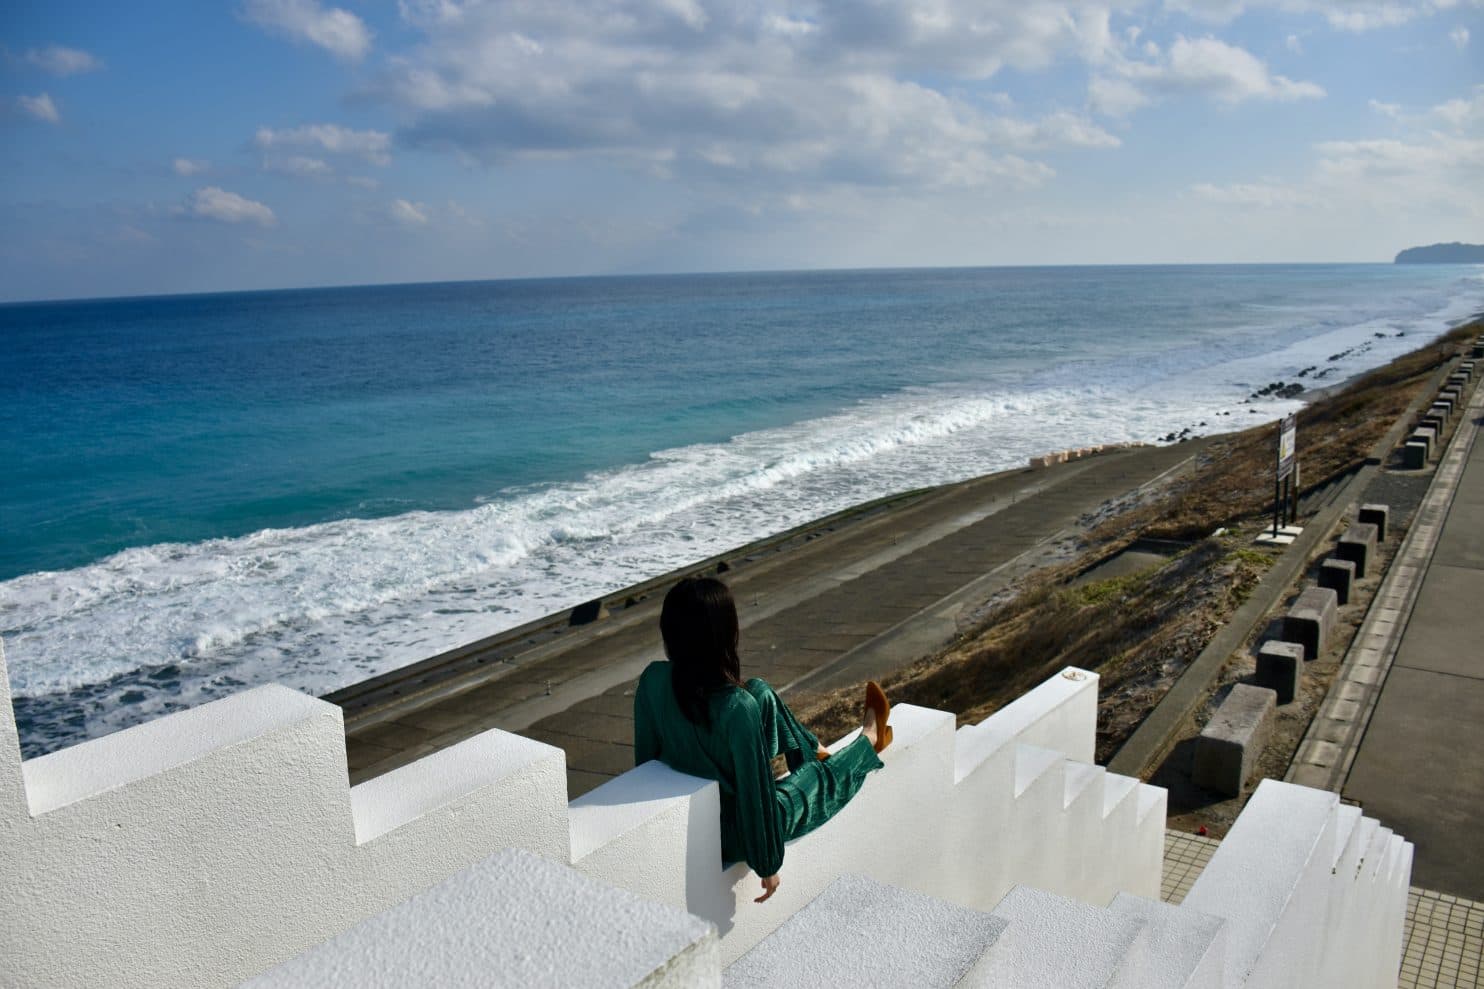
{"points": [[514, 919], [1056, 943], [1034, 764], [1186, 947], [865, 933], [1117, 789]]}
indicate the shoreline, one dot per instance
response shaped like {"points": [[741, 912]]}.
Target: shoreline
{"points": [[550, 626]]}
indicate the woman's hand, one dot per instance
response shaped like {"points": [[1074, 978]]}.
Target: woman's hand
{"points": [[770, 886]]}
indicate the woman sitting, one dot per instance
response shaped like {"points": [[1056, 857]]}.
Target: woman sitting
{"points": [[697, 716]]}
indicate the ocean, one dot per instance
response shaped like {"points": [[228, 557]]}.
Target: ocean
{"points": [[204, 493]]}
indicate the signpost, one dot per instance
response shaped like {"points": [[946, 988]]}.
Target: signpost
{"points": [[1287, 461]]}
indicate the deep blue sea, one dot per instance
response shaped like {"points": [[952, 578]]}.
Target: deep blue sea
{"points": [[207, 492]]}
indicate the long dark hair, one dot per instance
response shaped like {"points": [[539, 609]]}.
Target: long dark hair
{"points": [[699, 626]]}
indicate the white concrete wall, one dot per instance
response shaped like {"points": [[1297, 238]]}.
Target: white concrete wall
{"points": [[1312, 892], [962, 815], [210, 845], [206, 846]]}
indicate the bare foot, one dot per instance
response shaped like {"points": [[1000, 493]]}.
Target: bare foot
{"points": [[868, 726]]}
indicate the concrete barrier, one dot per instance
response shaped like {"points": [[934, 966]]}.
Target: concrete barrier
{"points": [[1358, 545], [1227, 751], [1338, 576], [1377, 515], [1414, 455], [1311, 619], [1279, 666]]}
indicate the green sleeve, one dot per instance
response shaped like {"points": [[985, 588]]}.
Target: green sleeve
{"points": [[646, 735], [757, 807]]}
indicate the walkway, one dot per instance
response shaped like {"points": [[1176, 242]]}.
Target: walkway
{"points": [[1418, 768]]}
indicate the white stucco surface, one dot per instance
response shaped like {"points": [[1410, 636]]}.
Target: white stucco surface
{"points": [[1052, 942], [97, 765], [1187, 948], [1311, 893], [859, 932], [1012, 813], [211, 844], [514, 920]]}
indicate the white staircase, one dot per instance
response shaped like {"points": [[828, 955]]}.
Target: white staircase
{"points": [[214, 845], [1315, 902]]}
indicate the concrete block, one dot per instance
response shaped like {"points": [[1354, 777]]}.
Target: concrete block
{"points": [[862, 932], [1428, 435], [1359, 544], [1311, 619], [1440, 409], [1232, 741], [1414, 455], [1445, 402], [1434, 421], [1377, 515], [1279, 666], [1338, 576]]}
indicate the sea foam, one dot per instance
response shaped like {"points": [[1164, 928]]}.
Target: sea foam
{"points": [[316, 607]]}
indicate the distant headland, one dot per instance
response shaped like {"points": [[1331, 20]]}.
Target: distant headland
{"points": [[1454, 253]]}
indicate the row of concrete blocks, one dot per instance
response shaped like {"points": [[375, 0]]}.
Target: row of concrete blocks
{"points": [[1062, 456], [1424, 441], [1232, 742]]}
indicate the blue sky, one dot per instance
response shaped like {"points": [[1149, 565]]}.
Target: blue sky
{"points": [[157, 147]]}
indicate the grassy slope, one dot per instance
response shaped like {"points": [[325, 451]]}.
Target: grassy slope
{"points": [[1140, 632]]}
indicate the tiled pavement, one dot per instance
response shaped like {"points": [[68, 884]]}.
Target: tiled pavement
{"points": [[1443, 942]]}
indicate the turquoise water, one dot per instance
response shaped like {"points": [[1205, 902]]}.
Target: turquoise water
{"points": [[315, 486]]}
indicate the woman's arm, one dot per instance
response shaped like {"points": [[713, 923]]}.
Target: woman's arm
{"points": [[757, 806]]}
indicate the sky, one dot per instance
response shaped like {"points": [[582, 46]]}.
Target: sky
{"points": [[158, 147]]}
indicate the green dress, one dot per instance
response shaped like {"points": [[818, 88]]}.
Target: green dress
{"points": [[749, 726]]}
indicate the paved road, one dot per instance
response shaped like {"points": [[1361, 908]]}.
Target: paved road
{"points": [[859, 601], [1420, 766]]}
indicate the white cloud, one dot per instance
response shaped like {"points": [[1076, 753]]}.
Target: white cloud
{"points": [[1464, 114], [301, 165], [1115, 97], [1264, 195], [753, 94], [1344, 15], [362, 182], [1460, 37], [1205, 65], [1293, 44], [371, 145], [1060, 130], [338, 31], [408, 213], [213, 203], [189, 166], [1229, 73], [40, 106], [60, 61]]}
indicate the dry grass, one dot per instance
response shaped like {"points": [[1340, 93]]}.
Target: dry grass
{"points": [[1139, 633]]}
